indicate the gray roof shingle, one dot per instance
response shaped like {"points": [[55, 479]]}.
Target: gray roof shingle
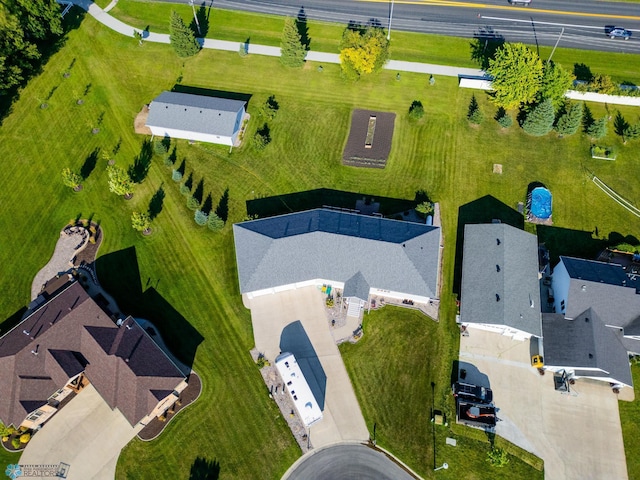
{"points": [[586, 343], [603, 287], [195, 113], [336, 245], [500, 277]]}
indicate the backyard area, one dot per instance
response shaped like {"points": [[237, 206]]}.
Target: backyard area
{"points": [[183, 277]]}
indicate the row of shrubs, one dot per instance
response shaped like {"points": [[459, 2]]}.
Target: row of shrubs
{"points": [[20, 436], [203, 211]]}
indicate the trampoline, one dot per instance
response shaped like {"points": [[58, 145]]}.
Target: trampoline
{"points": [[540, 203]]}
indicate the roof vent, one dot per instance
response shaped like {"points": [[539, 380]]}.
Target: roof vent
{"points": [[584, 288], [497, 268], [497, 241], [591, 355], [497, 297], [26, 332], [128, 326], [586, 319]]}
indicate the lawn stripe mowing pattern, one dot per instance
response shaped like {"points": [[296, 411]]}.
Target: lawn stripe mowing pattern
{"points": [[234, 423]]}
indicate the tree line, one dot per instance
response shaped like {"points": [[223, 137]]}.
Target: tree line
{"points": [[28, 28]]}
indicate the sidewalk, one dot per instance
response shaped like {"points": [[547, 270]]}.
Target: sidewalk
{"points": [[322, 57]]}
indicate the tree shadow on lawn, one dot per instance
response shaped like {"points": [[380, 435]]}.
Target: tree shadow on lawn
{"points": [[483, 210], [141, 164], [572, 243], [320, 197], [222, 210], [119, 274], [303, 28], [208, 92], [486, 42], [203, 469], [156, 203], [203, 19], [89, 163]]}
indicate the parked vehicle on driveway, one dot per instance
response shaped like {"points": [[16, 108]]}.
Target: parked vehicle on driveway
{"points": [[471, 392]]}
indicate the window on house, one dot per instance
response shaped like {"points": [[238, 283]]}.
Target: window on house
{"points": [[35, 415]]}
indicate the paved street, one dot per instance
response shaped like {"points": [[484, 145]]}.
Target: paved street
{"points": [[346, 462], [295, 321], [578, 436]]}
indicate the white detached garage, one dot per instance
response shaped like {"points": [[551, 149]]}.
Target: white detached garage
{"points": [[196, 117]]}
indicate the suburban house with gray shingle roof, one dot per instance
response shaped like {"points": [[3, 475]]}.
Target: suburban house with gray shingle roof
{"points": [[500, 287], [196, 117], [608, 297], [67, 342], [360, 254]]}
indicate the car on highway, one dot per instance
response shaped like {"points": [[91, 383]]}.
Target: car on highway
{"points": [[520, 2], [617, 32]]}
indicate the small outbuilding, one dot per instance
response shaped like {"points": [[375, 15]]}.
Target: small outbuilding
{"points": [[197, 118]]}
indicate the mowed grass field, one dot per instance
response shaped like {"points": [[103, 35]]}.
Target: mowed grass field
{"points": [[184, 277]]}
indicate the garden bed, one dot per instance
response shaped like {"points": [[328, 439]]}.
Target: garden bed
{"points": [[369, 141], [603, 153]]}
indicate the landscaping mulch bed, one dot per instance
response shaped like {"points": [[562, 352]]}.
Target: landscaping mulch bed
{"points": [[88, 255], [140, 123], [187, 397], [355, 153]]}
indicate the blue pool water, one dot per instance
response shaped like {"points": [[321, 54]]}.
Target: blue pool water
{"points": [[541, 202]]}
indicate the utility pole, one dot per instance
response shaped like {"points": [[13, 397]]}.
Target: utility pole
{"points": [[390, 19], [195, 17]]}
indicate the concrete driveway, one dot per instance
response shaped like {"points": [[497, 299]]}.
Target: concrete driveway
{"points": [[295, 321], [578, 436], [86, 434]]}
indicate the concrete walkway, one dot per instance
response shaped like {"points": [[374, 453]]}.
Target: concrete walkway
{"points": [[321, 57]]}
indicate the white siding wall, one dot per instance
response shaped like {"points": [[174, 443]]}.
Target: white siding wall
{"points": [[198, 137], [501, 329], [292, 286], [398, 295], [560, 285]]}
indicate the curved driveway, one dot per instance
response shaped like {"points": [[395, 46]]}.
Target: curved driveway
{"points": [[346, 462]]}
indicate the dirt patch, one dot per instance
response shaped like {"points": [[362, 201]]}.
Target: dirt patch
{"points": [[140, 123], [367, 146]]}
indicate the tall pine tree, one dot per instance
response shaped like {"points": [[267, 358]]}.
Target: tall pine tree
{"points": [[291, 47], [181, 37], [569, 122], [539, 121], [598, 128]]}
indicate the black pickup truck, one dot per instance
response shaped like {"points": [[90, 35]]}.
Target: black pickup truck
{"points": [[471, 392]]}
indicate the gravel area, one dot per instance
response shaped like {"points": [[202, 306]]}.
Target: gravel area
{"points": [[71, 239]]}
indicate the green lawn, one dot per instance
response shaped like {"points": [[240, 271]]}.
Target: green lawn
{"points": [[184, 278], [630, 419], [325, 37]]}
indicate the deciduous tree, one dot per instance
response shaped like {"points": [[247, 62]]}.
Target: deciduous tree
{"points": [[140, 221], [71, 179], [119, 181], [40, 19], [292, 51], [555, 83], [363, 51], [516, 73], [181, 37]]}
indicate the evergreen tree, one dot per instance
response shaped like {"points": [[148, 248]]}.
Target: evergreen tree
{"points": [[291, 47], [631, 132], [503, 118], [539, 121], [598, 128], [416, 110], [474, 114], [215, 223], [200, 217], [569, 122], [181, 37]]}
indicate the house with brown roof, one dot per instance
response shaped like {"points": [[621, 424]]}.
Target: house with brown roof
{"points": [[67, 342]]}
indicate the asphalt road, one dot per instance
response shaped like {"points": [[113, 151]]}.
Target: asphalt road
{"points": [[348, 462], [541, 22]]}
